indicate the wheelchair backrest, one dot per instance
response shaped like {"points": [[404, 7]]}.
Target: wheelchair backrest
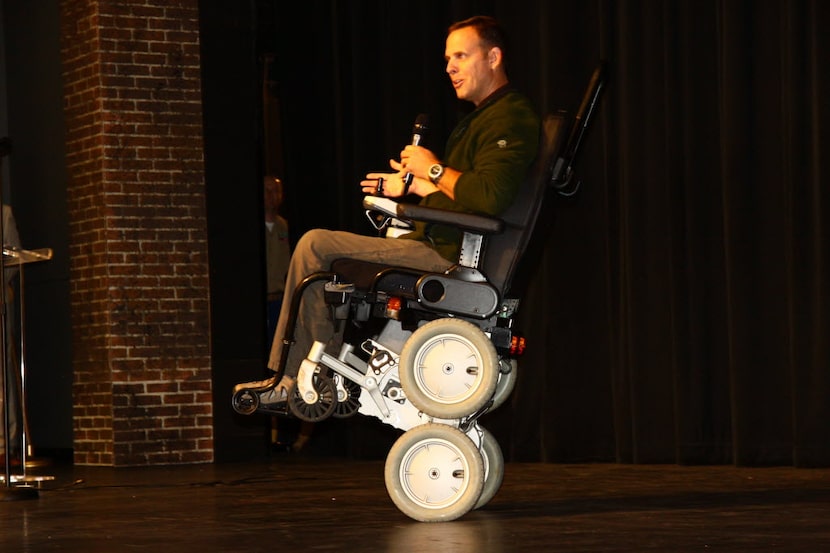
{"points": [[561, 136], [503, 251]]}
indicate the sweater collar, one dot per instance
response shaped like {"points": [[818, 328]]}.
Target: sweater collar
{"points": [[494, 96]]}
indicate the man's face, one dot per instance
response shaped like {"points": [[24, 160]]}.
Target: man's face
{"points": [[273, 193], [469, 65]]}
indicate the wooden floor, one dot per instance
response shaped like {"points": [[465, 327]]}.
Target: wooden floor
{"points": [[298, 503]]}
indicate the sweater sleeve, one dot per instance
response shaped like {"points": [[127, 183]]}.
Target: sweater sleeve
{"points": [[495, 157], [493, 149]]}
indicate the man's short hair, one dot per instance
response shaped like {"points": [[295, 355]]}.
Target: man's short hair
{"points": [[489, 31]]}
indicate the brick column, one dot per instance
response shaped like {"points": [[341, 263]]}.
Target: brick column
{"points": [[138, 236]]}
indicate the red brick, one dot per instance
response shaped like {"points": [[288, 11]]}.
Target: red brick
{"points": [[133, 112]]}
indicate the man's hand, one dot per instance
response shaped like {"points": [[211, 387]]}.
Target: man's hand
{"points": [[392, 185], [416, 160]]}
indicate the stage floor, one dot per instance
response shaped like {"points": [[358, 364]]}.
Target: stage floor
{"points": [[299, 503]]}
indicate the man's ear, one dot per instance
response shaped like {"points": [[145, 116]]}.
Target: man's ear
{"points": [[494, 56]]}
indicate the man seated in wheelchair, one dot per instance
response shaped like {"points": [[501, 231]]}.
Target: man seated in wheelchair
{"points": [[486, 160]]}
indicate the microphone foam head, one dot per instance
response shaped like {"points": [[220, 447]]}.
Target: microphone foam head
{"points": [[421, 123]]}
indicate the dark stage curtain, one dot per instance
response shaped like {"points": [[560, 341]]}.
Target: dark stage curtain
{"points": [[680, 311]]}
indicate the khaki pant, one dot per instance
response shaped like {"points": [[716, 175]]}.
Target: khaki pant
{"points": [[315, 251]]}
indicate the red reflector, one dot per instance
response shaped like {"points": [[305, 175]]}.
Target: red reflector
{"points": [[393, 308], [517, 346]]}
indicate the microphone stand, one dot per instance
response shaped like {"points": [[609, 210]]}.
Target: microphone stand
{"points": [[8, 492]]}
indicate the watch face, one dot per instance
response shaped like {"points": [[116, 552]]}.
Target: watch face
{"points": [[435, 171]]}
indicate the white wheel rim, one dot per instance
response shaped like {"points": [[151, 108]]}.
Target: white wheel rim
{"points": [[448, 369], [433, 473]]}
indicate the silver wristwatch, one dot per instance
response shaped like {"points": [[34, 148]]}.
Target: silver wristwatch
{"points": [[435, 172]]}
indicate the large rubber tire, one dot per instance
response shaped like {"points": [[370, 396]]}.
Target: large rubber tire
{"points": [[506, 383], [434, 473], [493, 467], [449, 368]]}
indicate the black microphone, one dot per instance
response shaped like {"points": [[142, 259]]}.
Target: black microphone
{"points": [[419, 130]]}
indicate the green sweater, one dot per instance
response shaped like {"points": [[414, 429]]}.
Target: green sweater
{"points": [[493, 147]]}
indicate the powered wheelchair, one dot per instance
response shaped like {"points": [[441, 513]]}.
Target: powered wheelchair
{"points": [[430, 353]]}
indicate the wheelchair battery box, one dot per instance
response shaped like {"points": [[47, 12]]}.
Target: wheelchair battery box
{"points": [[460, 297]]}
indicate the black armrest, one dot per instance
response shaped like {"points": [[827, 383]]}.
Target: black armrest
{"points": [[465, 221], [480, 224]]}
